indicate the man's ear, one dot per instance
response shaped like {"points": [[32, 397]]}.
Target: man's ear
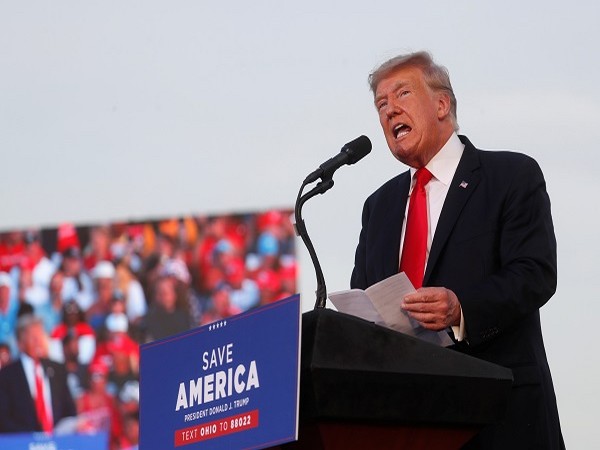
{"points": [[443, 103]]}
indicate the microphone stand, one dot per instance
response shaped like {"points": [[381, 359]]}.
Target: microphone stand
{"points": [[323, 186]]}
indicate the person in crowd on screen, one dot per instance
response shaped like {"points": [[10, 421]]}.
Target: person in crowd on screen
{"points": [[51, 311], [177, 269], [34, 395], [129, 398], [243, 291], [77, 373], [221, 307], [98, 248], [166, 245], [275, 274], [5, 355], [117, 340], [12, 247], [212, 279], [121, 375], [67, 237], [24, 289], [220, 239], [98, 409], [264, 261], [131, 289], [105, 292], [73, 323], [134, 331], [151, 267], [202, 259], [117, 306], [136, 247], [223, 253], [77, 283], [164, 318], [267, 246], [478, 243], [276, 223], [269, 283], [37, 269], [288, 271], [131, 432], [24, 309], [8, 312]]}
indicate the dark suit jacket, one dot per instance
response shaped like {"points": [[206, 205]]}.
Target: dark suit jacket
{"points": [[494, 246], [17, 408]]}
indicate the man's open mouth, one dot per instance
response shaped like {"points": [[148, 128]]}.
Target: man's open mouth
{"points": [[401, 130]]}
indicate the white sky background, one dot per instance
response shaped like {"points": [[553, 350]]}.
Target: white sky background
{"points": [[128, 110]]}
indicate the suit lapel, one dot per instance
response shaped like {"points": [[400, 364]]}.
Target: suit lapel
{"points": [[23, 386], [463, 184], [392, 227], [49, 372]]}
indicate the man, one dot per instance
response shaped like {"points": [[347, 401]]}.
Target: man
{"points": [[51, 311], [77, 284], [480, 242], [104, 284], [8, 312], [78, 379], [164, 318], [33, 390]]}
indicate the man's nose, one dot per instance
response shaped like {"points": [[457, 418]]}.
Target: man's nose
{"points": [[392, 108]]}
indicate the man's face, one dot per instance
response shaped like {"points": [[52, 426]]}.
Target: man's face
{"points": [[72, 266], [105, 287], [165, 294], [34, 342], [56, 284], [221, 302], [414, 118]]}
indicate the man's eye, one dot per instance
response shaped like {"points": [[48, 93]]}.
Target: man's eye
{"points": [[403, 93], [381, 105]]}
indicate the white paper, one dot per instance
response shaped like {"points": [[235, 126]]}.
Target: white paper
{"points": [[380, 303]]}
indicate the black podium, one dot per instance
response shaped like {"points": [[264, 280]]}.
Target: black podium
{"points": [[363, 386]]}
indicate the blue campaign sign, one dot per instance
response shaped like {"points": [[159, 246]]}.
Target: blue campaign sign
{"points": [[42, 441], [233, 384]]}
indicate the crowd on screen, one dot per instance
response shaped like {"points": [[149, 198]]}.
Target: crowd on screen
{"points": [[100, 291]]}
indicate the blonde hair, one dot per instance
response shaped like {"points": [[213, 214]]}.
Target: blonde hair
{"points": [[436, 76]]}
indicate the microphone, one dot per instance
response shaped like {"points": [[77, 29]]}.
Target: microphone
{"points": [[351, 153]]}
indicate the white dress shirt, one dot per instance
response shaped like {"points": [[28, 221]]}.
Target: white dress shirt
{"points": [[443, 167], [29, 368]]}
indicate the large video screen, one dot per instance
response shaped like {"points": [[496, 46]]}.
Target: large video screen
{"points": [[102, 289]]}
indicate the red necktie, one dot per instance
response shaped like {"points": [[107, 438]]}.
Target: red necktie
{"points": [[40, 402], [415, 236]]}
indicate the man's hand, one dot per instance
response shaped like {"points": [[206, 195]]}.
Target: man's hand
{"points": [[435, 308]]}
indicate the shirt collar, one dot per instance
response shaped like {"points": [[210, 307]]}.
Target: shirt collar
{"points": [[443, 165], [27, 361]]}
